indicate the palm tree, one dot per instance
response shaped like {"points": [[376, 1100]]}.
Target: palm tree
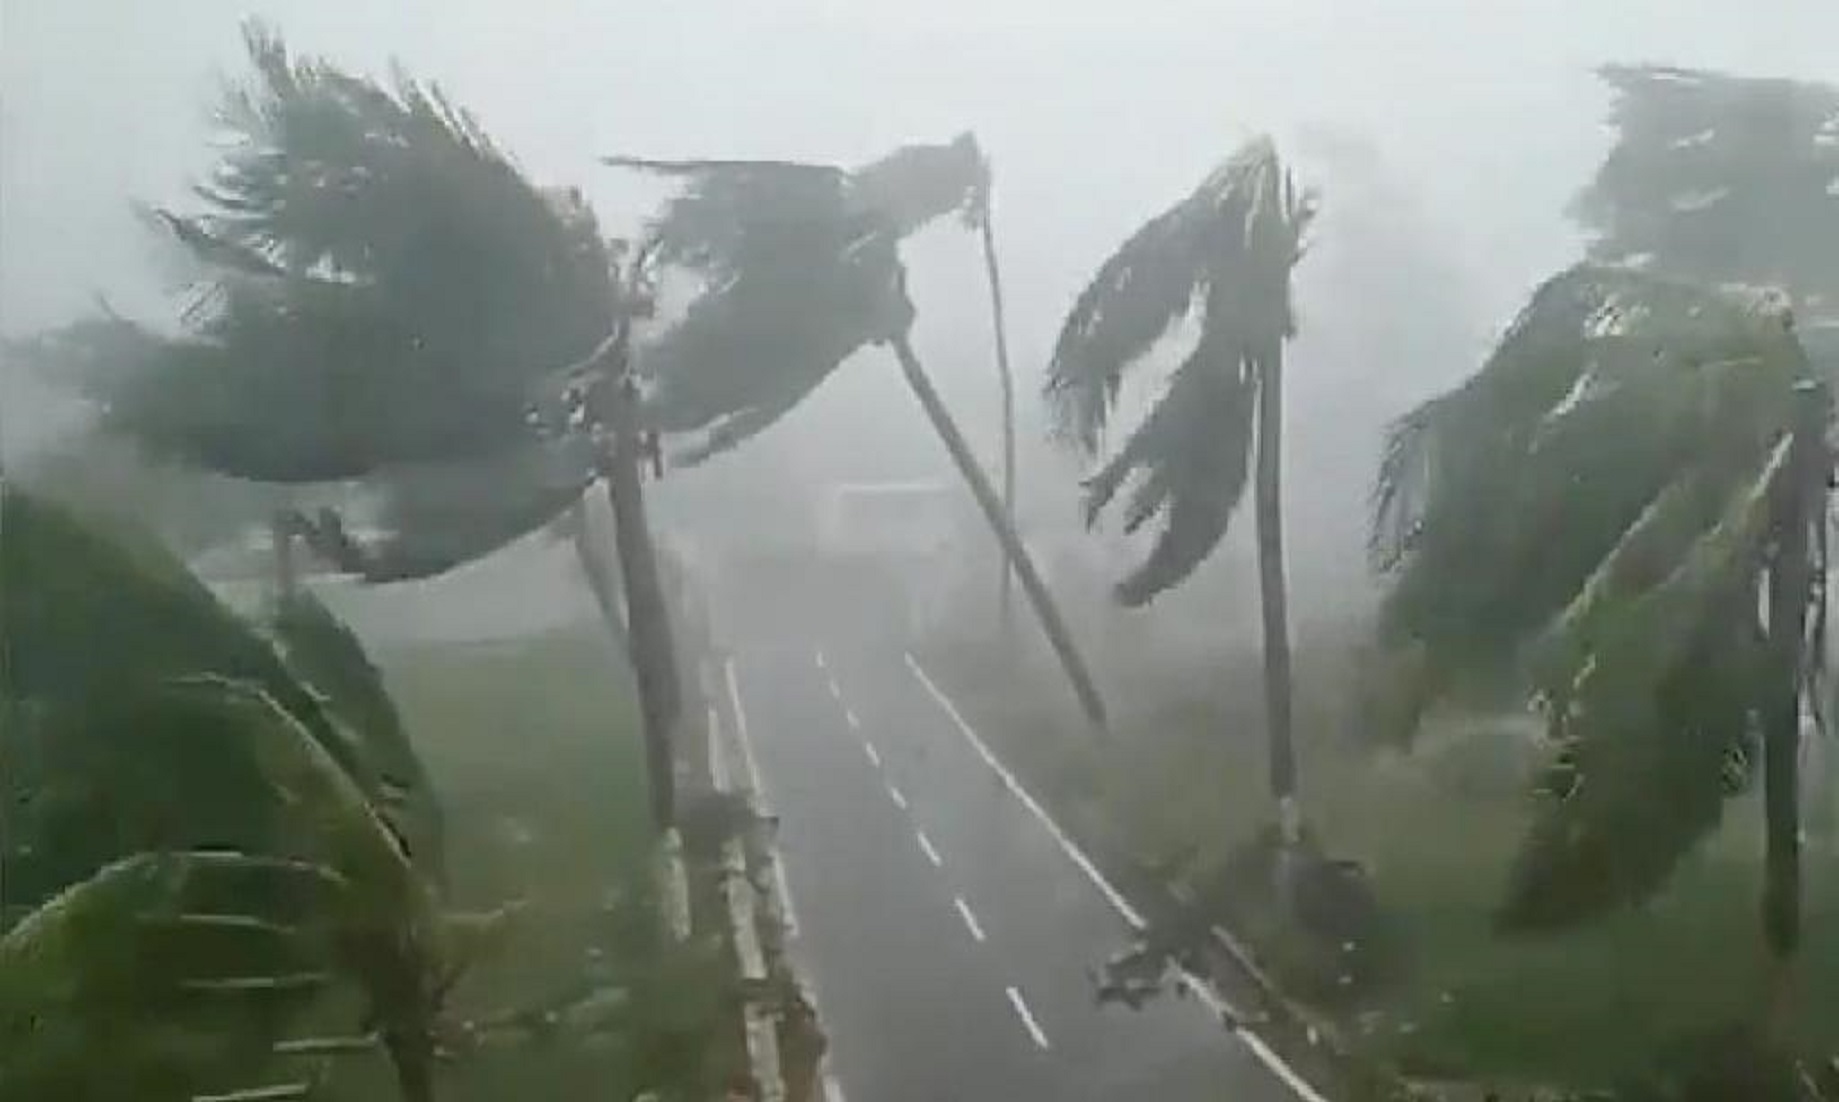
{"points": [[802, 269], [1714, 177], [384, 297], [142, 722], [1226, 250], [1624, 510]]}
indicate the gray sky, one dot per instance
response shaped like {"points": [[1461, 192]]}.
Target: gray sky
{"points": [[1483, 118]]}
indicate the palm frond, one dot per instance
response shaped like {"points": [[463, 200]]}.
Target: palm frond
{"points": [[160, 976], [1653, 720], [328, 657], [1715, 177], [383, 287], [1239, 232], [1611, 380], [89, 616], [436, 517], [742, 215], [748, 351], [801, 261], [1194, 450], [1230, 246]]}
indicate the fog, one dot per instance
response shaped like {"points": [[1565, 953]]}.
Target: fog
{"points": [[1444, 136]]}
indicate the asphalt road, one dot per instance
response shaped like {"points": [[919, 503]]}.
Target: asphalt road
{"points": [[946, 931]]}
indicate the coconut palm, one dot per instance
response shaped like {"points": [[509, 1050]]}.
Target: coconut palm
{"points": [[140, 717], [1623, 512], [801, 268], [384, 297], [1226, 250]]}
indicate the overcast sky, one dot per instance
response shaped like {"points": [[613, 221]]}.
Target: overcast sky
{"points": [[1480, 118]]}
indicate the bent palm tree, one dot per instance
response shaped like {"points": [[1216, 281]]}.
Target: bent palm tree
{"points": [[1595, 514], [803, 270], [1226, 250], [384, 297]]}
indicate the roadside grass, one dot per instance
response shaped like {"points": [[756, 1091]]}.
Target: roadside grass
{"points": [[1182, 781], [534, 748]]}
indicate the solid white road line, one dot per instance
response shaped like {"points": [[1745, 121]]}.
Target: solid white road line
{"points": [[899, 798], [833, 1090], [874, 755], [931, 853], [970, 920], [1027, 1016], [1204, 990], [1111, 894], [757, 785]]}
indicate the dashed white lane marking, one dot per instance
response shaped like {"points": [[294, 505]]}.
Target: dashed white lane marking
{"points": [[970, 920], [874, 755], [899, 798], [1027, 1016], [821, 663], [931, 853], [833, 1090], [836, 691], [849, 717], [1208, 997]]}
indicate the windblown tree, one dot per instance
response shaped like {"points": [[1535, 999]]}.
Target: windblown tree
{"points": [[1623, 512], [205, 844], [1725, 179], [801, 268], [1717, 178], [383, 297], [1224, 252]]}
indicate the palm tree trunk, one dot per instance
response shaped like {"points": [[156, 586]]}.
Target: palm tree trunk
{"points": [[1007, 378], [654, 656], [1032, 585], [653, 653], [1273, 595], [287, 574], [1790, 582], [595, 569]]}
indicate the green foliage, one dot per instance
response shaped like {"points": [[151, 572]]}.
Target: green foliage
{"points": [[1591, 516], [126, 983], [435, 517], [323, 651], [802, 262], [1715, 177], [1226, 250], [89, 618], [381, 292], [141, 717]]}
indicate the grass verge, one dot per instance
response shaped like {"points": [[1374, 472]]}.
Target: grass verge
{"points": [[1182, 782]]}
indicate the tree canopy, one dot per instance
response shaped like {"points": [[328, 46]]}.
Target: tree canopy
{"points": [[1592, 516], [202, 832], [800, 270], [380, 294], [1225, 251], [1720, 178]]}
